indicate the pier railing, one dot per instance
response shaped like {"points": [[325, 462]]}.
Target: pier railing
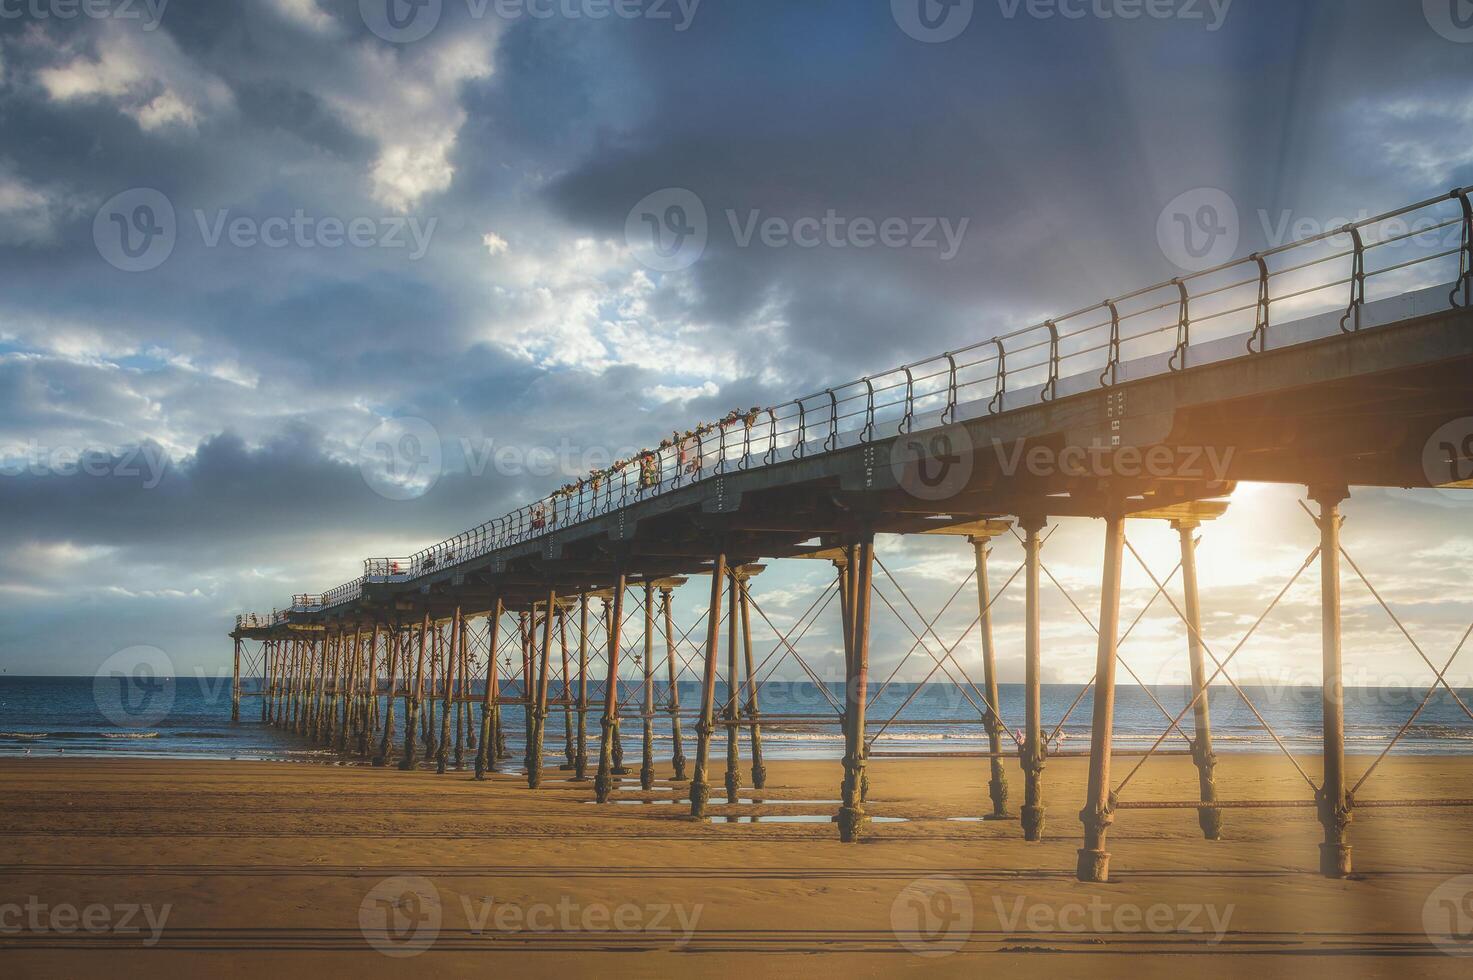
{"points": [[261, 620], [1078, 351]]}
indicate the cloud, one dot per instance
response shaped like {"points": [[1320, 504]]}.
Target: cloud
{"points": [[143, 74], [29, 215], [306, 14], [408, 103]]}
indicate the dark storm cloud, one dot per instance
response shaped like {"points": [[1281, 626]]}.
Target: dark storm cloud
{"points": [[228, 503], [1043, 133]]}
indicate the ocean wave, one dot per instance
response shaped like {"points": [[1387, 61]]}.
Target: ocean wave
{"points": [[72, 736]]}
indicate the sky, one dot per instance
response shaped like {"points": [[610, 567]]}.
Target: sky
{"points": [[241, 242]]}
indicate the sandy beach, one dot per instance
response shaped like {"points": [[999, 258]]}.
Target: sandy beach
{"points": [[250, 869]]}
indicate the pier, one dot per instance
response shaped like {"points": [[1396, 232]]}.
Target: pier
{"points": [[1328, 363]]}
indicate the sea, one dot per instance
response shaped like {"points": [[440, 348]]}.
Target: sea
{"points": [[189, 717]]}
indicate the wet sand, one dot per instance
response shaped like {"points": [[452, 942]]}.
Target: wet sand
{"points": [[296, 870]]}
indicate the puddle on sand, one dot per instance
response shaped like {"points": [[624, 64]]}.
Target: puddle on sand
{"points": [[758, 801], [797, 818], [632, 802]]}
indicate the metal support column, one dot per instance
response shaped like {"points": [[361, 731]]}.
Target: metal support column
{"points": [[677, 758], [235, 685], [1209, 818], [759, 771], [539, 709], [997, 785], [859, 569], [647, 710], [413, 691], [700, 790], [486, 747], [1335, 802], [452, 654], [386, 741], [1097, 815], [580, 747], [1034, 752], [732, 712], [603, 783]]}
